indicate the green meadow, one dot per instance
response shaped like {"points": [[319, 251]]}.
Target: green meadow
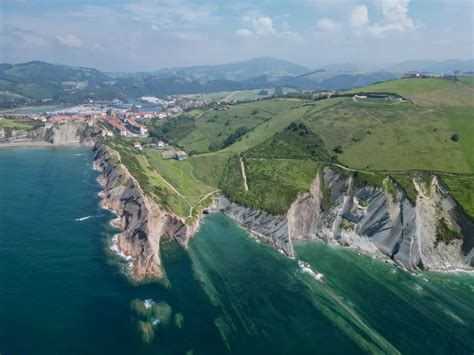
{"points": [[282, 142]]}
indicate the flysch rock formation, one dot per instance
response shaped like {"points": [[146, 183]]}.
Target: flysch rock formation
{"points": [[339, 210], [265, 226], [65, 133], [141, 220]]}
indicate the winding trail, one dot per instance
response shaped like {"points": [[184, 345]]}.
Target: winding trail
{"points": [[191, 206], [202, 199], [242, 168], [166, 181]]}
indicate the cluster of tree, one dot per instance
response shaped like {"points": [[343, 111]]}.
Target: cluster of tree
{"points": [[231, 139], [172, 129]]}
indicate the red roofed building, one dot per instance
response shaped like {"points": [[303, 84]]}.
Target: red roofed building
{"points": [[136, 127], [115, 123]]}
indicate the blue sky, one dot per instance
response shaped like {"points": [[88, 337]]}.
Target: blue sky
{"points": [[125, 35]]}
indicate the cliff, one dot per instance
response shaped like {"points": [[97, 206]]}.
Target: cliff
{"points": [[67, 133], [265, 226], [376, 220], [142, 221]]}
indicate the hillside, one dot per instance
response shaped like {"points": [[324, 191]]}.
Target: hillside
{"points": [[264, 66], [429, 92], [382, 173], [39, 83], [383, 136]]}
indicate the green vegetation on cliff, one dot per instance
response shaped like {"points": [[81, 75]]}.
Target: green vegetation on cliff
{"points": [[273, 183], [281, 142]]}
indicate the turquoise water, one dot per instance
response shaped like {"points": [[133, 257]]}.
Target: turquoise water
{"points": [[62, 292]]}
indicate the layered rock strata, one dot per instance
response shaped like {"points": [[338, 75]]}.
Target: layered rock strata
{"points": [[142, 221], [338, 209]]}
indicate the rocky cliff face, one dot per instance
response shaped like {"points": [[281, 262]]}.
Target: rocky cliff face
{"points": [[272, 229], [68, 133], [338, 209], [142, 221]]}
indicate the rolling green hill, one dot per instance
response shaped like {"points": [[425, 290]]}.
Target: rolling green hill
{"points": [[429, 92], [282, 141]]}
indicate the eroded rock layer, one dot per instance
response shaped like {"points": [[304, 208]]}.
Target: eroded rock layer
{"points": [[142, 221], [338, 209]]}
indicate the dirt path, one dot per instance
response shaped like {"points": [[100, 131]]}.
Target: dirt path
{"points": [[202, 199], [191, 206], [242, 168], [228, 97]]}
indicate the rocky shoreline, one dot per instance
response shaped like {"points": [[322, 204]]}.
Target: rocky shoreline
{"points": [[336, 209], [142, 221], [382, 225]]}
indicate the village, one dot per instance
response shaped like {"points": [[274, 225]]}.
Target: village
{"points": [[123, 118], [116, 118]]}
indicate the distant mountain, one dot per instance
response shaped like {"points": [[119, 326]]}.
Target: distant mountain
{"points": [[37, 83], [264, 66]]}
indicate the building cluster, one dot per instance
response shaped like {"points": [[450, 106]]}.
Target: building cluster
{"points": [[123, 117], [126, 125], [174, 104]]}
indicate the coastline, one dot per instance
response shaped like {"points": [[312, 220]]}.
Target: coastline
{"points": [[41, 144]]}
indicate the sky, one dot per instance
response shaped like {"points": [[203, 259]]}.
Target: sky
{"points": [[126, 35]]}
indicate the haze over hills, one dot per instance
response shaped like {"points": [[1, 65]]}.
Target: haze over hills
{"points": [[39, 82], [239, 71]]}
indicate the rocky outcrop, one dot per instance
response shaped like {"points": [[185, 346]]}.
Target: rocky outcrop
{"points": [[377, 221], [380, 221], [66, 133], [265, 226], [142, 221]]}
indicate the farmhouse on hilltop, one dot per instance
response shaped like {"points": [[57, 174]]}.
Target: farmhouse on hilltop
{"points": [[413, 74]]}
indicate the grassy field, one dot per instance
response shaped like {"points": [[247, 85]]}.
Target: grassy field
{"points": [[383, 136], [151, 183], [180, 174], [429, 92], [170, 183], [393, 137], [462, 190], [21, 125], [229, 96], [461, 121], [213, 127], [408, 87], [299, 111], [273, 183], [294, 142], [210, 167]]}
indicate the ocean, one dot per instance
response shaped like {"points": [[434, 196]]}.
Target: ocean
{"points": [[62, 290]]}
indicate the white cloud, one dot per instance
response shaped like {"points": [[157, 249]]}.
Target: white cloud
{"points": [[327, 25], [243, 32], [395, 19], [69, 40], [396, 14], [263, 26], [359, 17]]}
